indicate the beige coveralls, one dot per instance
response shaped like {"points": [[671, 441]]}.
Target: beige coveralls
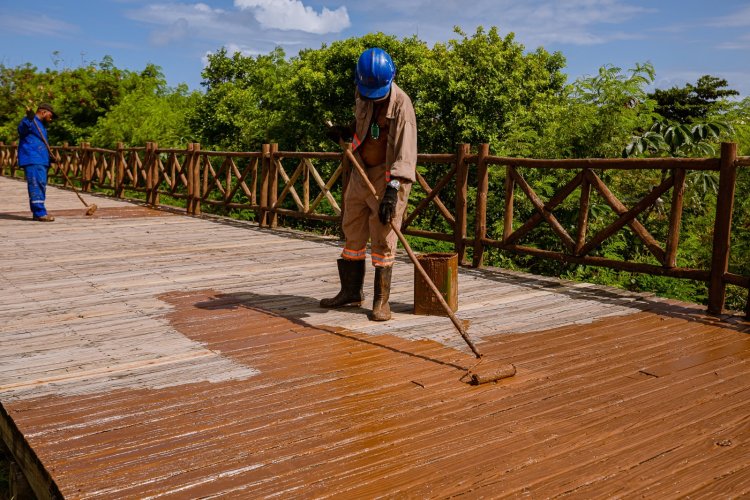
{"points": [[398, 139]]}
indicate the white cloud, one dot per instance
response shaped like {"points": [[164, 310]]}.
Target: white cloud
{"points": [[172, 33], [741, 43], [22, 23], [177, 21], [739, 19], [576, 22], [294, 15], [535, 22]]}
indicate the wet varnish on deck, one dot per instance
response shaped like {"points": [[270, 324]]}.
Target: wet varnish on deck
{"points": [[148, 354]]}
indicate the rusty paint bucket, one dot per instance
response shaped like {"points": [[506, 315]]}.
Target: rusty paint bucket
{"points": [[442, 268]]}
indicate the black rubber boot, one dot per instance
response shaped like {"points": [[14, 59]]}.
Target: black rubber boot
{"points": [[381, 310], [352, 276]]}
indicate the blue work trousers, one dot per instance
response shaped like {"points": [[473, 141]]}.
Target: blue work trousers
{"points": [[36, 181]]}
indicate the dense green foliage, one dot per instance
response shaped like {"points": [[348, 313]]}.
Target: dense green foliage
{"points": [[693, 103], [475, 88], [98, 103]]}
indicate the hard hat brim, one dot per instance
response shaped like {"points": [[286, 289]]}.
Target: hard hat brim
{"points": [[373, 93]]}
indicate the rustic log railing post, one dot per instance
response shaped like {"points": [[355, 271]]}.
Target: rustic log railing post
{"points": [[5, 158], [148, 161], [81, 167], [147, 169], [120, 171], [346, 174], [306, 188], [675, 217], [91, 171], [508, 215], [155, 175], [583, 214], [113, 171], [227, 198], [85, 167], [480, 220], [198, 189], [8, 160], [65, 164], [14, 159], [722, 228], [188, 169], [264, 173], [273, 194], [462, 178]]}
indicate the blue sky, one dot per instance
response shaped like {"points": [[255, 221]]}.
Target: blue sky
{"points": [[683, 39]]}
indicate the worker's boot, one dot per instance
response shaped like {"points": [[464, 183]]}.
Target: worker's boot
{"points": [[352, 276], [381, 310]]}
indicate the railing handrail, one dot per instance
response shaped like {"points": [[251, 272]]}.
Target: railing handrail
{"points": [[217, 178]]}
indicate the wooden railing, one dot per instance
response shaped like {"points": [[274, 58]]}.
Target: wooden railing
{"points": [[309, 185]]}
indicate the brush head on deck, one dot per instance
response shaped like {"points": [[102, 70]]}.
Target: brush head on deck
{"points": [[92, 208], [484, 372]]}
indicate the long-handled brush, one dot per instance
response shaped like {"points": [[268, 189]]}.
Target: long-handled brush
{"points": [[90, 209], [482, 372]]}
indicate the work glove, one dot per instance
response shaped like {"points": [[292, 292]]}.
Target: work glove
{"points": [[29, 114], [338, 133], [388, 205]]}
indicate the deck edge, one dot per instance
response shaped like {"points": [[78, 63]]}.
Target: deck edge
{"points": [[37, 475]]}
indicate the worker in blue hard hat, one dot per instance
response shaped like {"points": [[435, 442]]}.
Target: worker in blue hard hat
{"points": [[384, 139]]}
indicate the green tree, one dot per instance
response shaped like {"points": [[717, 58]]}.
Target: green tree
{"points": [[603, 111], [150, 112], [481, 88], [323, 83], [693, 103], [15, 96], [244, 104], [738, 115], [80, 96], [484, 88]]}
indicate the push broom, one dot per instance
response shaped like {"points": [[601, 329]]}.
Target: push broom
{"points": [[483, 371], [90, 209]]}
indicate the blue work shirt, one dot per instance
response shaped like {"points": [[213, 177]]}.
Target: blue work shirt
{"points": [[31, 148]]}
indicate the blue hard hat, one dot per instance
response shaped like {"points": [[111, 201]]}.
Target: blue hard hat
{"points": [[375, 72]]}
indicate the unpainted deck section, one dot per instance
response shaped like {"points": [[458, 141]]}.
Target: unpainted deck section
{"points": [[148, 354]]}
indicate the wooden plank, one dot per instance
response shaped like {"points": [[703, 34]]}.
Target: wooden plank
{"points": [[140, 349], [33, 470]]}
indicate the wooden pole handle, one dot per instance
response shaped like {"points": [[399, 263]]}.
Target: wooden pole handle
{"points": [[49, 150], [417, 265]]}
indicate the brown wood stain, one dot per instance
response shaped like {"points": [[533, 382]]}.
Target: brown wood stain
{"points": [[236, 388], [606, 409]]}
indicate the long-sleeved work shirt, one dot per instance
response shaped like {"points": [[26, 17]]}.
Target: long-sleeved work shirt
{"points": [[32, 150], [401, 127]]}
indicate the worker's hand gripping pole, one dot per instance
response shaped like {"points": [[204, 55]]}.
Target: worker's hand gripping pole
{"points": [[417, 265]]}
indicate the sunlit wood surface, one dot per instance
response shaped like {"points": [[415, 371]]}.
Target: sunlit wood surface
{"points": [[146, 353]]}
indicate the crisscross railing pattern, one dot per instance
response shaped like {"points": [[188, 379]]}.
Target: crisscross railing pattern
{"points": [[310, 185]]}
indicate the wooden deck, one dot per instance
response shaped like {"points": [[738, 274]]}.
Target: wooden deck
{"points": [[148, 354]]}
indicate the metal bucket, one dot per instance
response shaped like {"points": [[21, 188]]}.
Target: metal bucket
{"points": [[442, 268]]}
